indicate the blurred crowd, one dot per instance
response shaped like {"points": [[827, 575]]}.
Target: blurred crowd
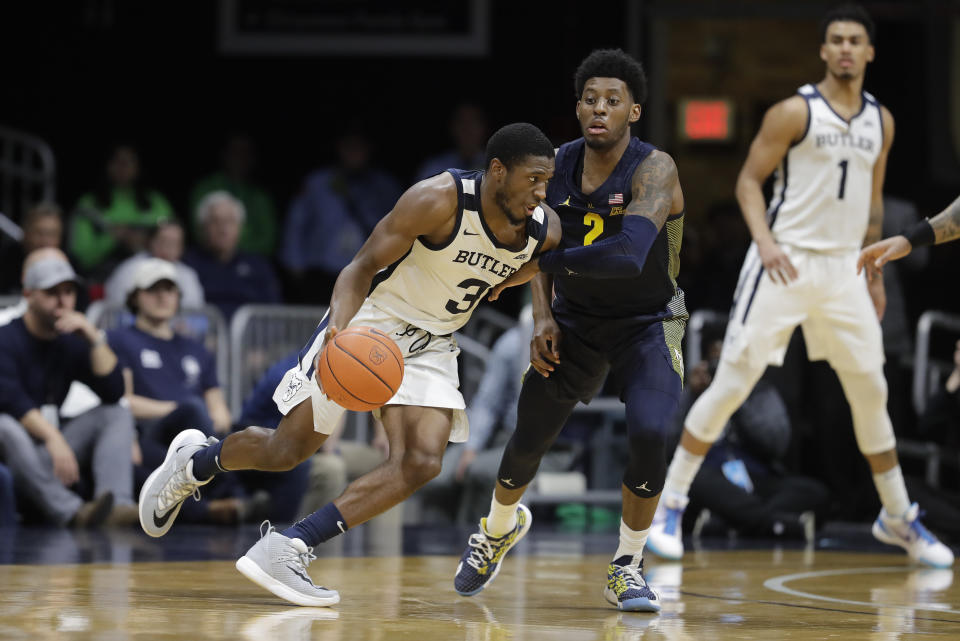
{"points": [[782, 468]]}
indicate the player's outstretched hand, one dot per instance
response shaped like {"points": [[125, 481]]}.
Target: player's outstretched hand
{"points": [[529, 269], [545, 346], [875, 256], [776, 263]]}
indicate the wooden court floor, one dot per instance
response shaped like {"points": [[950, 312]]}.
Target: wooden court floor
{"points": [[793, 594]]}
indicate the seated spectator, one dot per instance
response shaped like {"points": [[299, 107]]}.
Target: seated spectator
{"points": [[743, 480], [42, 227], [8, 502], [171, 384], [111, 223], [230, 277], [41, 353], [332, 217], [165, 242], [238, 160], [468, 130]]}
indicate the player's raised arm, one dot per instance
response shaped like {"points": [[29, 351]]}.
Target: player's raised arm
{"points": [[783, 125], [427, 208]]}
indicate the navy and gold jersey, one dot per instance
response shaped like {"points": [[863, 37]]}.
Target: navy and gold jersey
{"points": [[588, 218]]}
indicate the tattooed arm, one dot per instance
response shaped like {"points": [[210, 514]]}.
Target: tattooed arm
{"points": [[946, 224], [656, 194], [942, 228]]}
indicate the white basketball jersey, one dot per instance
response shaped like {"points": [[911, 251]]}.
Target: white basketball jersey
{"points": [[437, 287], [821, 197]]}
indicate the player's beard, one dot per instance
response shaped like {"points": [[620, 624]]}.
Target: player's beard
{"points": [[500, 198]]}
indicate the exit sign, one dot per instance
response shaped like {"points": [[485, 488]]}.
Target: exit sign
{"points": [[705, 120]]}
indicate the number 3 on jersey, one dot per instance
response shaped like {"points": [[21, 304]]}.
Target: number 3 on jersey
{"points": [[471, 298], [595, 223]]}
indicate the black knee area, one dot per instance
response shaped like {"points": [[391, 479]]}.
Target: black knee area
{"points": [[649, 416], [541, 414]]}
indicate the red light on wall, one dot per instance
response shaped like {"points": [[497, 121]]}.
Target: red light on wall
{"points": [[706, 120]]}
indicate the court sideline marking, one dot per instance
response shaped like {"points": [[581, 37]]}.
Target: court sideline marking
{"points": [[778, 584]]}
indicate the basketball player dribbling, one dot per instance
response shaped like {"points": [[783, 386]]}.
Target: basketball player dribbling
{"points": [[829, 144], [616, 308], [417, 278]]}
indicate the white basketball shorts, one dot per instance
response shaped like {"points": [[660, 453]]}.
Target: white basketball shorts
{"points": [[828, 300], [430, 377]]}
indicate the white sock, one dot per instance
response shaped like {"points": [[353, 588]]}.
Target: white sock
{"points": [[631, 542], [683, 468], [892, 491], [502, 518]]}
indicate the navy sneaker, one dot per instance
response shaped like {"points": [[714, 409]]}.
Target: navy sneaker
{"points": [[482, 559], [627, 588]]}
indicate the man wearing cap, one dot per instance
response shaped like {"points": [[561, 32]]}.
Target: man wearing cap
{"points": [[41, 354], [171, 382]]}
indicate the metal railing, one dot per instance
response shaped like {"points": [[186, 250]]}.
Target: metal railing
{"points": [[261, 335], [925, 374]]}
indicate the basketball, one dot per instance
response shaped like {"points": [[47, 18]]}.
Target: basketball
{"points": [[360, 369]]}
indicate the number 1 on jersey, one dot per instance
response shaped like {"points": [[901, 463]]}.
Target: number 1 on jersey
{"points": [[843, 178], [595, 223]]}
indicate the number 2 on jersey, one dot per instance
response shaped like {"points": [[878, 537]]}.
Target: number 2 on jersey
{"points": [[595, 223], [843, 178]]}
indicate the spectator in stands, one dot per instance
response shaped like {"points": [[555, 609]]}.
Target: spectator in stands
{"points": [[333, 215], [238, 160], [41, 353], [468, 130], [230, 277], [171, 383], [42, 227], [166, 242], [112, 222], [8, 502], [743, 480]]}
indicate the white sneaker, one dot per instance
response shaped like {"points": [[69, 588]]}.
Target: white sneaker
{"points": [[279, 564], [910, 534], [169, 485], [666, 531]]}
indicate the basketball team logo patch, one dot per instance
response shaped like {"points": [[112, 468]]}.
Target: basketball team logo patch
{"points": [[377, 355]]}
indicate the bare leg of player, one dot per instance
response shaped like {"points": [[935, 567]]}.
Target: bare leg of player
{"points": [[278, 562], [418, 437]]}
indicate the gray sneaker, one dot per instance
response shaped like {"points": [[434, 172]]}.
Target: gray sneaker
{"points": [[279, 564], [169, 485]]}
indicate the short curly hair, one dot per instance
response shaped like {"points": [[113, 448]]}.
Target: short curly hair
{"points": [[849, 12], [612, 63]]}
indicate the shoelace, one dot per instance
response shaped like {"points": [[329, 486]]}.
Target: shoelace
{"points": [[288, 552], [482, 550], [920, 529], [633, 576], [178, 488]]}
